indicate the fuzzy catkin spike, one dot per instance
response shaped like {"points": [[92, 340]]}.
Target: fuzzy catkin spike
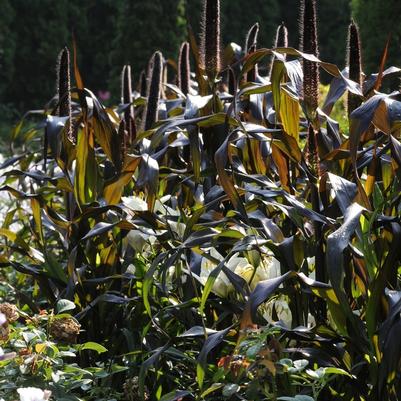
{"points": [[126, 98], [281, 36], [354, 63], [210, 37], [64, 87], [250, 47], [253, 73], [281, 40], [153, 90], [184, 69], [309, 44], [251, 37]]}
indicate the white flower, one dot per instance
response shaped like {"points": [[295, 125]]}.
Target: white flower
{"points": [[268, 269], [163, 209], [222, 285], [135, 203], [3, 319], [282, 309], [33, 394], [138, 239], [240, 266], [178, 228]]}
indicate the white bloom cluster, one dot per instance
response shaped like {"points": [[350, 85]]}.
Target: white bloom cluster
{"points": [[33, 394], [270, 268], [143, 239]]}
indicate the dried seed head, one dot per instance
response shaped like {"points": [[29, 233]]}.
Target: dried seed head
{"points": [[210, 37], [184, 69], [64, 88], [65, 329], [153, 90], [126, 98], [251, 37], [309, 44], [354, 63]]}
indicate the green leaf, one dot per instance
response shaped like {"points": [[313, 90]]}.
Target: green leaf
{"points": [[64, 305], [230, 389], [214, 387], [93, 347]]}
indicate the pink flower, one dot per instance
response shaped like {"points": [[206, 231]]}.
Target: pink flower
{"points": [[104, 95]]}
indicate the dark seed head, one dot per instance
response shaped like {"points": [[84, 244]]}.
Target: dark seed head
{"points": [[126, 98], [251, 37], [354, 63], [153, 90], [64, 88], [309, 44], [281, 40], [184, 69], [210, 37], [281, 36]]}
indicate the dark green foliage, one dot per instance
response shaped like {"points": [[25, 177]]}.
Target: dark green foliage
{"points": [[46, 36], [184, 69], [238, 15], [210, 38], [181, 257], [309, 44], [153, 90], [157, 24], [376, 20], [7, 46], [354, 63]]}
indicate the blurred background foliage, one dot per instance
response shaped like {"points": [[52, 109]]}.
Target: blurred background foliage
{"points": [[110, 33]]}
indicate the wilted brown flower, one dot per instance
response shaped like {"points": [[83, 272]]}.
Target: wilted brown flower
{"points": [[131, 390], [10, 311], [65, 329], [4, 332]]}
